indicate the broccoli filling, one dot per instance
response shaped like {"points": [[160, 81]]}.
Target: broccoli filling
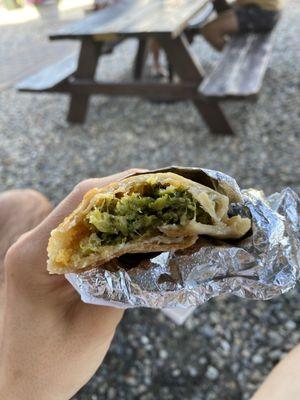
{"points": [[119, 220]]}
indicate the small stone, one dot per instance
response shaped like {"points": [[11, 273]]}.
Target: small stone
{"points": [[111, 393], [208, 331], [225, 347], [202, 361], [192, 371], [290, 325], [256, 375], [141, 389], [235, 367], [257, 359], [212, 373], [144, 339], [276, 339], [246, 353], [163, 354], [214, 317], [295, 336], [211, 396], [131, 380], [191, 323], [176, 372], [240, 376], [217, 359], [275, 355], [148, 380]]}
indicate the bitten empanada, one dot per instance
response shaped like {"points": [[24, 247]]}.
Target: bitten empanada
{"points": [[144, 213]]}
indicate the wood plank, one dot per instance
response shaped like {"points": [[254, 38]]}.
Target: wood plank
{"points": [[140, 59], [257, 64], [50, 76], [57, 72], [85, 70], [242, 67], [134, 18], [144, 89]]}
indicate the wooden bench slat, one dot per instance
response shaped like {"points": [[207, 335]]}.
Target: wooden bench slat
{"points": [[134, 18], [257, 64], [50, 76], [242, 67]]}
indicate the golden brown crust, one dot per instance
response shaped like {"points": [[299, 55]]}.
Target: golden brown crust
{"points": [[63, 247], [130, 248]]}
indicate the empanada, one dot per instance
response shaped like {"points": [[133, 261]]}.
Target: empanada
{"points": [[144, 213]]}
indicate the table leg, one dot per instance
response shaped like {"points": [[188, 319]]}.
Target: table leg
{"points": [[189, 70], [87, 64], [140, 59]]}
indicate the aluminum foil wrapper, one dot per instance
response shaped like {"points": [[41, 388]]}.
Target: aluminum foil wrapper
{"points": [[260, 266]]}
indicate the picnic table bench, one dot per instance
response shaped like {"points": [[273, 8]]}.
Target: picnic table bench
{"points": [[241, 69], [166, 21]]}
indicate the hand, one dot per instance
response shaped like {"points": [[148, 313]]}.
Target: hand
{"points": [[52, 342]]}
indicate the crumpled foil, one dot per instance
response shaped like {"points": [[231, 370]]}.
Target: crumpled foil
{"points": [[260, 266]]}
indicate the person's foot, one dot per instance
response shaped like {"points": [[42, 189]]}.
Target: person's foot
{"points": [[20, 211], [159, 72]]}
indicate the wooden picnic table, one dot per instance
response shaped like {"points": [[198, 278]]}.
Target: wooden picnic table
{"points": [[164, 20], [101, 31], [238, 74]]}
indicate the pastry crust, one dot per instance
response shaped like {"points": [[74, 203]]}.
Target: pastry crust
{"points": [[64, 250]]}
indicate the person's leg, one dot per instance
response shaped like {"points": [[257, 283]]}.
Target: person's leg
{"points": [[240, 19], [216, 31], [158, 70], [283, 383], [20, 211]]}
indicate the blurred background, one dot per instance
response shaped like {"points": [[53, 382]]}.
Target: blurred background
{"points": [[227, 347]]}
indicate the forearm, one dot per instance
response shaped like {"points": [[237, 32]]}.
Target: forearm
{"points": [[283, 383]]}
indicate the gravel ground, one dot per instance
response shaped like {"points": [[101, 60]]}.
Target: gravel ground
{"points": [[227, 347]]}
